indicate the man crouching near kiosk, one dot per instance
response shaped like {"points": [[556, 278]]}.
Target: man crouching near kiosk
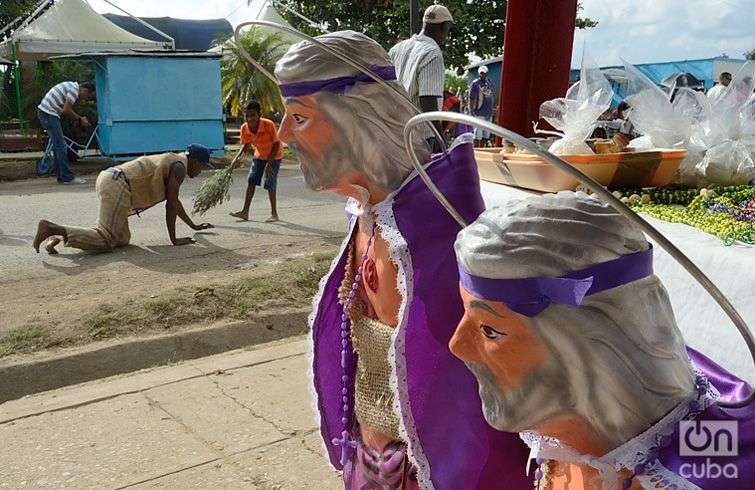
{"points": [[128, 189]]}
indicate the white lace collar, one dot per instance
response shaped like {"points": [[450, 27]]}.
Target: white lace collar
{"points": [[639, 455], [364, 212]]}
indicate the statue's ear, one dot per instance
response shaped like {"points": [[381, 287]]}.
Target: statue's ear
{"points": [[371, 275]]}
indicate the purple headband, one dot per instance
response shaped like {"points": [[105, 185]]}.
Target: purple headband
{"points": [[339, 85], [530, 296]]}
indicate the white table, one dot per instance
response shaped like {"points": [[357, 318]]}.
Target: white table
{"points": [[703, 323]]}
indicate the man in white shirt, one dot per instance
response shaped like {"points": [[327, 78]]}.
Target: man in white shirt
{"points": [[58, 101], [419, 62], [481, 103], [717, 91]]}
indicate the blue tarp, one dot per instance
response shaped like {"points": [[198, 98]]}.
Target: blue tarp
{"points": [[702, 69], [193, 35]]}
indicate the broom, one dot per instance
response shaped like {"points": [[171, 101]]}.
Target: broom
{"points": [[216, 189]]}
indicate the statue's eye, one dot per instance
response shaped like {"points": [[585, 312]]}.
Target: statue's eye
{"points": [[491, 333], [299, 118]]}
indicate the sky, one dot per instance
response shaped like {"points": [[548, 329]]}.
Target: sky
{"points": [[666, 30], [637, 30]]}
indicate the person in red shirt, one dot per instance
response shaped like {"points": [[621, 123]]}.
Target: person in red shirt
{"points": [[453, 104], [261, 134]]}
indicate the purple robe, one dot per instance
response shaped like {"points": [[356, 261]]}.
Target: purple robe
{"points": [[449, 442], [460, 129], [703, 470]]}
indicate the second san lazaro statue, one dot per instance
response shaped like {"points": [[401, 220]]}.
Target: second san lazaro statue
{"points": [[574, 344]]}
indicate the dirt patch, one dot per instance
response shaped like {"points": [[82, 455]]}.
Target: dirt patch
{"points": [[272, 285], [79, 286]]}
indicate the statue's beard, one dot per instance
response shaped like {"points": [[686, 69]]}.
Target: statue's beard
{"points": [[542, 394], [325, 173]]}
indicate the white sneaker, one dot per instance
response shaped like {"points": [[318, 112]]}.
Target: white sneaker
{"points": [[75, 181]]}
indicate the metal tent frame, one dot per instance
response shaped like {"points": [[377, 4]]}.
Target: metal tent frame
{"points": [[21, 22]]}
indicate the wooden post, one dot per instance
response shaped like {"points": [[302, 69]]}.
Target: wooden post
{"points": [[415, 17], [537, 51]]}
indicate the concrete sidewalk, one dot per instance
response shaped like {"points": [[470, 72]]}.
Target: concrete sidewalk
{"points": [[237, 420]]}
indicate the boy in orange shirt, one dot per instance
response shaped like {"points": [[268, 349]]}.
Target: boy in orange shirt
{"points": [[268, 152]]}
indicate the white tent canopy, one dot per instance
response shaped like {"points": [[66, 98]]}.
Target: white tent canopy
{"points": [[264, 10], [268, 12], [72, 26]]}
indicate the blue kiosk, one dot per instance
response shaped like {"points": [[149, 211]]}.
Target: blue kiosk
{"points": [[155, 102]]}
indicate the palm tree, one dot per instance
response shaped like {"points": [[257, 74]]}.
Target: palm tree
{"points": [[241, 81]]}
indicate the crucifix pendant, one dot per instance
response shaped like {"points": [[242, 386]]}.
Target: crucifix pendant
{"points": [[346, 443]]}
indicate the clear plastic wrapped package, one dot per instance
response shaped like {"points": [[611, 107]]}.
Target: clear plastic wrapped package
{"points": [[727, 163], [664, 122], [747, 117], [661, 123], [726, 131], [575, 116]]}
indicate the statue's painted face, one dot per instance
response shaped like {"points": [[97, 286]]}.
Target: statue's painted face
{"points": [[324, 152], [515, 371]]}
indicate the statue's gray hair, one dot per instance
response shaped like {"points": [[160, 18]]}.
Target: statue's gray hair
{"points": [[370, 116]]}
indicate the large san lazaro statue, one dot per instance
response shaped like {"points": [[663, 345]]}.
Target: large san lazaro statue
{"points": [[574, 344], [397, 409]]}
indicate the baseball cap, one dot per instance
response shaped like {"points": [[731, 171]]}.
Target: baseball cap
{"points": [[199, 153], [482, 69], [437, 14]]}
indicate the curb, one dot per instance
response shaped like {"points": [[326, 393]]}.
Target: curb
{"points": [[76, 396], [12, 170], [30, 376]]}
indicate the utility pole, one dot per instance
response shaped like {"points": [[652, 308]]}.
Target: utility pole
{"points": [[415, 17]]}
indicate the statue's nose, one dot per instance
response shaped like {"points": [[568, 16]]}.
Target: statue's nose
{"points": [[462, 343]]}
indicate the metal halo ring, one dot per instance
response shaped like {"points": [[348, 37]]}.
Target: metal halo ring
{"points": [[354, 64], [598, 189]]}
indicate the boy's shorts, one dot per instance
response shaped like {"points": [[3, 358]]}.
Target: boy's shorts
{"points": [[258, 170]]}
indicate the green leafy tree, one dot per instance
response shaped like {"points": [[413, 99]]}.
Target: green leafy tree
{"points": [[456, 84], [750, 55], [478, 26], [584, 22], [5, 101], [12, 9], [241, 81]]}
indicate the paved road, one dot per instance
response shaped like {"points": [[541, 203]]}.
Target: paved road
{"points": [[237, 420], [76, 280], [306, 215]]}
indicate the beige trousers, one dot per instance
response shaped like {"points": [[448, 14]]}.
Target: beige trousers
{"points": [[112, 226]]}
